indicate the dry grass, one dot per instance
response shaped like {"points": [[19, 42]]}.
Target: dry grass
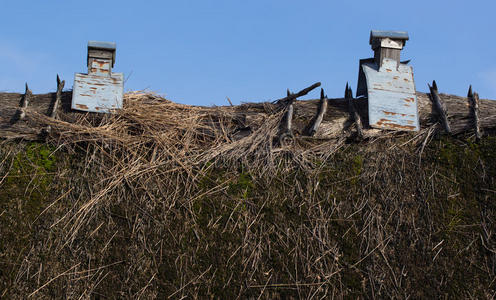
{"points": [[172, 201]]}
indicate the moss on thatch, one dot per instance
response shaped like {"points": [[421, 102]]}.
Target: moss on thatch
{"points": [[163, 205]]}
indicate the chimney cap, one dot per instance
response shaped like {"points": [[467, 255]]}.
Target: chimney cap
{"points": [[109, 47], [101, 45], [394, 35]]}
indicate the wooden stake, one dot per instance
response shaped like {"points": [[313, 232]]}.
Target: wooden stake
{"points": [[473, 99], [289, 113], [348, 94], [303, 92], [25, 101], [286, 136], [320, 114], [439, 106], [289, 117], [58, 96]]}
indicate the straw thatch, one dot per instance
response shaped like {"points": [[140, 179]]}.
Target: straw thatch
{"points": [[169, 200]]}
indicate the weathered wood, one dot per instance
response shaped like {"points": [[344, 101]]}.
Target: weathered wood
{"points": [[381, 53], [58, 96], [459, 114], [25, 102], [286, 137], [253, 115], [289, 117], [301, 93], [289, 112], [320, 114], [439, 106], [39, 103], [473, 99], [355, 117]]}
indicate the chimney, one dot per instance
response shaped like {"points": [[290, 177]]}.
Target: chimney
{"points": [[101, 58], [100, 90], [387, 44], [388, 84]]}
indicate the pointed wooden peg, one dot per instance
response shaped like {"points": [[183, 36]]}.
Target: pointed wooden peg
{"points": [[469, 94], [27, 96], [346, 91], [439, 107], [350, 93], [473, 99], [60, 83], [286, 136], [434, 85], [321, 111], [58, 96], [355, 117], [25, 101]]}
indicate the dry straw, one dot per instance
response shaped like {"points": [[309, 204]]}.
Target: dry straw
{"points": [[171, 200]]}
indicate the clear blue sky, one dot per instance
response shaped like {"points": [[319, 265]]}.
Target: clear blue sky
{"points": [[200, 52]]}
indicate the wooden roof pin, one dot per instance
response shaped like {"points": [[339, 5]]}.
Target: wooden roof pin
{"points": [[286, 137], [439, 106], [320, 114], [56, 103], [25, 101], [303, 92], [58, 96], [289, 112], [473, 99], [355, 117]]}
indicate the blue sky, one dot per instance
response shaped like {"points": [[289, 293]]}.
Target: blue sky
{"points": [[200, 52]]}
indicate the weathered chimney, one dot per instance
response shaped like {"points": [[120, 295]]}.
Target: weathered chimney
{"points": [[100, 90], [387, 44], [101, 58], [388, 84]]}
